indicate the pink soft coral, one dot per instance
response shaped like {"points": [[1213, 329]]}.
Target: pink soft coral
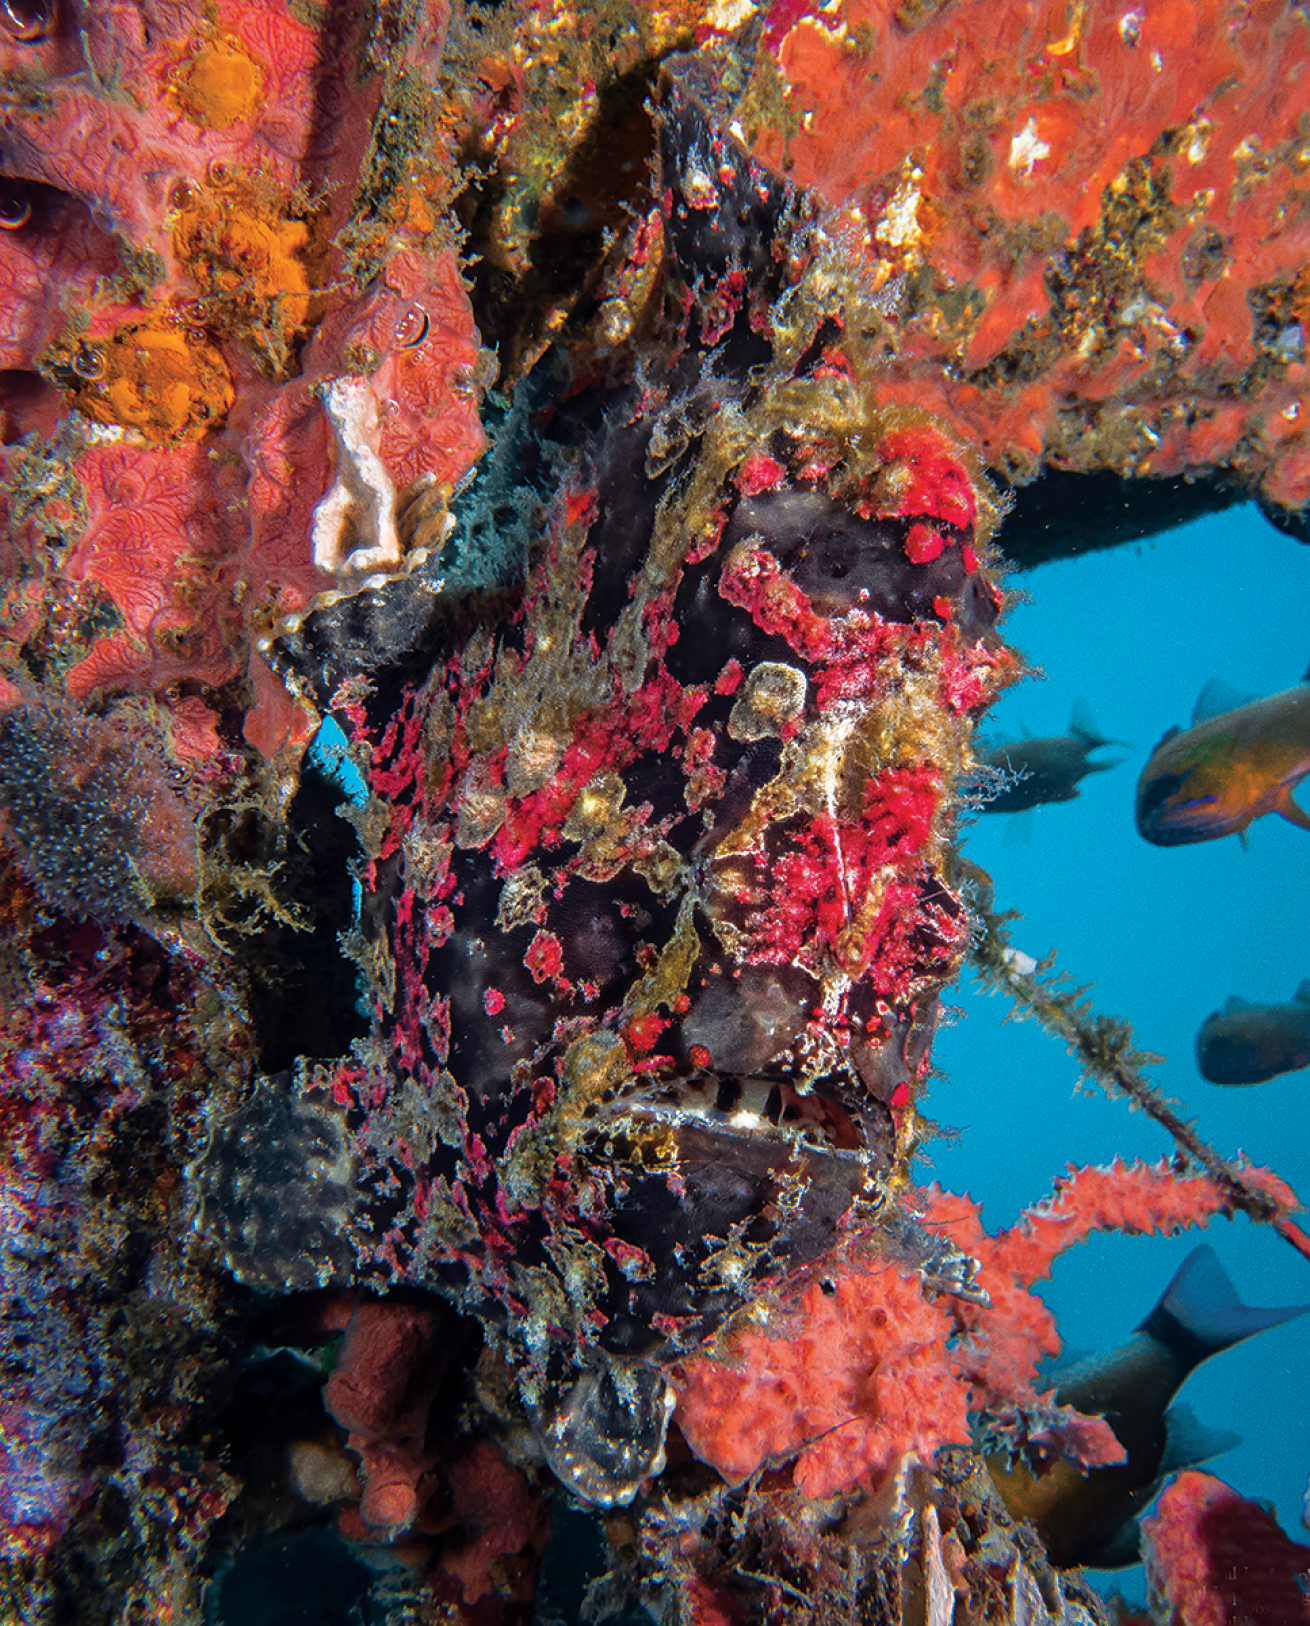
{"points": [[851, 1379], [865, 1369], [1215, 1559]]}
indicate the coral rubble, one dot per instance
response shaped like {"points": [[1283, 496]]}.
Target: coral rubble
{"points": [[109, 1349]]}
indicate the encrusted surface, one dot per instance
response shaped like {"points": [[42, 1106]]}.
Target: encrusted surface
{"points": [[640, 830], [212, 254]]}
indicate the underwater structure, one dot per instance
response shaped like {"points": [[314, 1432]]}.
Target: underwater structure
{"points": [[503, 567]]}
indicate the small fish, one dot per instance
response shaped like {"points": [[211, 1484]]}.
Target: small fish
{"points": [[1091, 1517], [1239, 760], [1036, 771], [1249, 1044]]}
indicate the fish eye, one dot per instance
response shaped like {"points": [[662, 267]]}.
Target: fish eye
{"points": [[26, 20], [15, 203]]}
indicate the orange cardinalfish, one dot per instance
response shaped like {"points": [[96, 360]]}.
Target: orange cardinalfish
{"points": [[1239, 760]]}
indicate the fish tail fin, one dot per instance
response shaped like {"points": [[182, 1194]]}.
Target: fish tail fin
{"points": [[1083, 726], [1200, 1313], [1291, 812], [1188, 1442]]}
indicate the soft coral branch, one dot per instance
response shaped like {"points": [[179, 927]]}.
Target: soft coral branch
{"points": [[1008, 1337], [869, 1368], [1105, 1050]]}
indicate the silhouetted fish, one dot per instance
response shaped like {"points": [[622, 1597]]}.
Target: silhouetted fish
{"points": [[1090, 1517], [1239, 760], [1046, 769], [1249, 1044]]}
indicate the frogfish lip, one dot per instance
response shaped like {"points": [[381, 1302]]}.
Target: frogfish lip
{"points": [[757, 1109], [720, 1185]]}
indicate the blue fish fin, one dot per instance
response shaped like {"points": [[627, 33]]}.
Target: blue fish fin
{"points": [[1122, 1549], [1169, 734], [1245, 840], [1201, 1306], [1083, 726], [1302, 995], [1235, 1002], [1188, 1442], [1019, 830], [1291, 812], [1215, 699]]}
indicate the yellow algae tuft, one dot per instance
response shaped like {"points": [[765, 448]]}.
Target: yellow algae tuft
{"points": [[153, 374], [218, 85], [258, 257]]}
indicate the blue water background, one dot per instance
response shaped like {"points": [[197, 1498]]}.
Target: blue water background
{"points": [[1166, 935]]}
